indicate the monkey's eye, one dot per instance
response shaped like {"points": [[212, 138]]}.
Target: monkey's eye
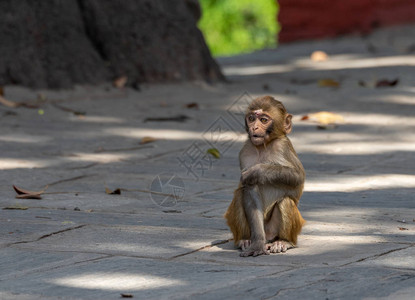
{"points": [[251, 118], [263, 120]]}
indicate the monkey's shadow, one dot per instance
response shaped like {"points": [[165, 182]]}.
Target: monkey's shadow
{"points": [[223, 244]]}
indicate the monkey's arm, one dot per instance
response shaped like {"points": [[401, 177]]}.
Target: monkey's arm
{"points": [[254, 213], [274, 174]]}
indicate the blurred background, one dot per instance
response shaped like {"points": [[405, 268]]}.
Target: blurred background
{"points": [[58, 44], [239, 26], [234, 27]]}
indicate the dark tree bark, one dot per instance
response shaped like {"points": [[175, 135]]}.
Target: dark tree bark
{"points": [[59, 43]]}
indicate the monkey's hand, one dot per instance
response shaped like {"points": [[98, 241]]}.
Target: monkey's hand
{"points": [[252, 176], [256, 248]]}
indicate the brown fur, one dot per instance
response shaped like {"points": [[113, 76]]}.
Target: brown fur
{"points": [[289, 220], [235, 212]]}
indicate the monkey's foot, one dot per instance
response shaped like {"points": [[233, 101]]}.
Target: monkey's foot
{"points": [[277, 246], [244, 244], [257, 248]]}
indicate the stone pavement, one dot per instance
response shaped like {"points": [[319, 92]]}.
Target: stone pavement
{"points": [[78, 242]]}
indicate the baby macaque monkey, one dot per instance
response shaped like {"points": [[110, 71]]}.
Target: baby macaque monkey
{"points": [[263, 215]]}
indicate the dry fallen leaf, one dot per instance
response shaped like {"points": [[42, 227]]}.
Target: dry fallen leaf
{"points": [[326, 127], [403, 228], [21, 191], [319, 56], [8, 103], [172, 211], [120, 82], [25, 194], [114, 192], [361, 83], [324, 118], [12, 104], [9, 113], [214, 152], [147, 139], [328, 83], [179, 118], [29, 196], [192, 105], [67, 109], [41, 97], [387, 83], [16, 207]]}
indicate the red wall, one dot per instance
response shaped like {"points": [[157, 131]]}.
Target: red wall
{"points": [[311, 19]]}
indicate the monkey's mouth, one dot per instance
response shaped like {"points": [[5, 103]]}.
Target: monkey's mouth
{"points": [[257, 139]]}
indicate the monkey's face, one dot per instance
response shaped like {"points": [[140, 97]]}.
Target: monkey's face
{"points": [[259, 126]]}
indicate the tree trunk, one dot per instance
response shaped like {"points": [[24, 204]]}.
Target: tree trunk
{"points": [[58, 43]]}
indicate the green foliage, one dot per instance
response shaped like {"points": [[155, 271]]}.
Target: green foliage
{"points": [[239, 26]]}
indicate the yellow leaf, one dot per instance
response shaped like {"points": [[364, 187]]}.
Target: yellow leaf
{"points": [[326, 118], [214, 152], [328, 83], [67, 222], [147, 139]]}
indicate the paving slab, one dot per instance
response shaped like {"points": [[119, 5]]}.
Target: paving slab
{"points": [[107, 278], [323, 283], [139, 241], [79, 242]]}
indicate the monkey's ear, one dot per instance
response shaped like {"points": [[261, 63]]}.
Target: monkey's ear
{"points": [[287, 123]]}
